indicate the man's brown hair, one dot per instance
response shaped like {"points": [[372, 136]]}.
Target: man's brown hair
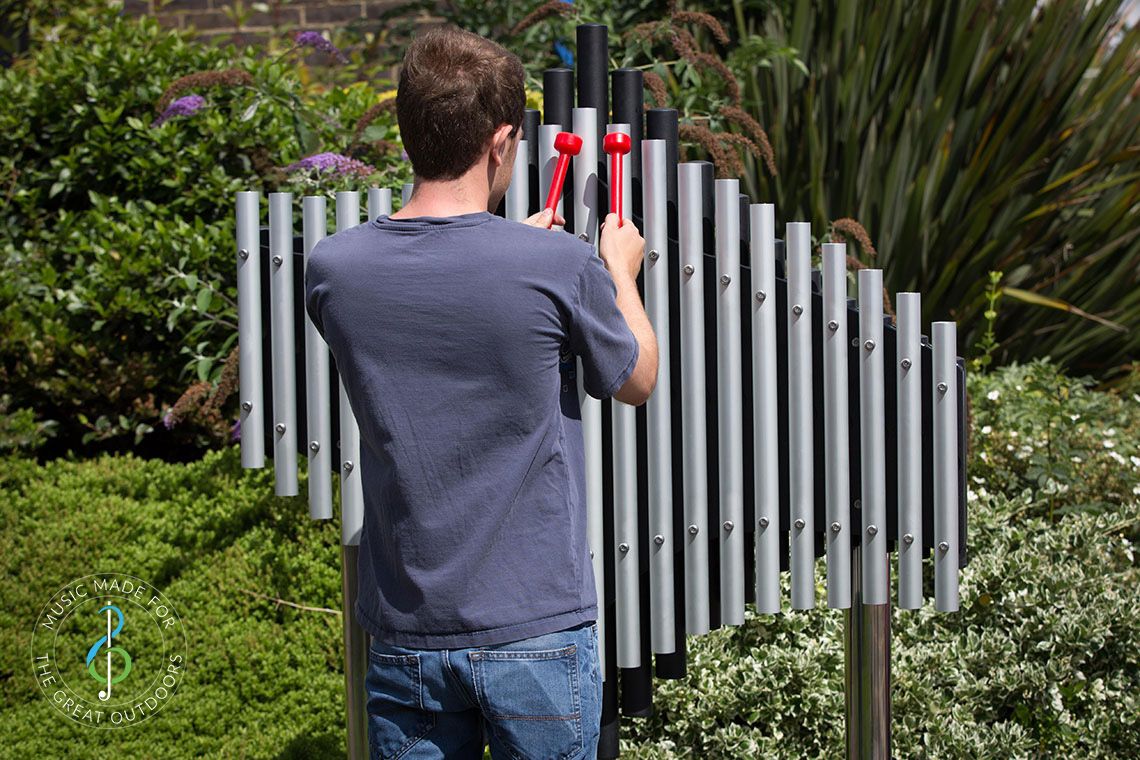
{"points": [[456, 88]]}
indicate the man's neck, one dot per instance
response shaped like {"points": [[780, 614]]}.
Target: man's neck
{"points": [[463, 195]]}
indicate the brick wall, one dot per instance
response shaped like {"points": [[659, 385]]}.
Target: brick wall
{"points": [[210, 17]]}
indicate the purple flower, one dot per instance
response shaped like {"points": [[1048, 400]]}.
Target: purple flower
{"points": [[184, 106], [317, 41], [331, 162], [235, 431], [168, 419]]}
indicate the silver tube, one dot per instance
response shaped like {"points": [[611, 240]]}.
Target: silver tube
{"points": [[355, 659], [406, 193], [766, 463], [872, 441], [317, 399], [586, 220], [730, 401], [837, 533], [659, 420], [801, 486], [944, 341], [351, 486], [627, 541], [867, 672], [908, 369], [379, 202], [248, 213], [518, 192], [283, 343], [691, 250], [547, 159], [585, 175]]}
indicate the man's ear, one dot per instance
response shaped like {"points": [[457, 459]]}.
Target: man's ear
{"points": [[501, 143]]}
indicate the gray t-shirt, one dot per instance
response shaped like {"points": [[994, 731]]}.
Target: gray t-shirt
{"points": [[456, 339]]}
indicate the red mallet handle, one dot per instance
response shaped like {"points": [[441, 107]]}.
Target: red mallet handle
{"points": [[617, 144], [567, 144]]}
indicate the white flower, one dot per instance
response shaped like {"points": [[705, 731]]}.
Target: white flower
{"points": [[1009, 447], [1119, 459], [1135, 461], [1109, 444], [1076, 459], [983, 457], [993, 395], [1136, 489], [1110, 431], [1018, 388], [1074, 417], [1013, 434], [1136, 396], [970, 495], [986, 430]]}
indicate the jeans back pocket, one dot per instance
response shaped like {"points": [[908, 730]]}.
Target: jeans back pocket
{"points": [[532, 699], [396, 718]]}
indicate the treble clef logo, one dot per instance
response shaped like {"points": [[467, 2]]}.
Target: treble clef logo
{"points": [[94, 651]]}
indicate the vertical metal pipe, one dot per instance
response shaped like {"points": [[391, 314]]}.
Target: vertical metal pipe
{"points": [[518, 192], [944, 342], [800, 452], [690, 202], [628, 99], [908, 373], [766, 463], [351, 486], [593, 76], [283, 343], [872, 443], [557, 95], [379, 202], [730, 402], [355, 659], [627, 541], [867, 671], [406, 193], [547, 159], [659, 421], [248, 213], [836, 426], [586, 194], [530, 134], [317, 399]]}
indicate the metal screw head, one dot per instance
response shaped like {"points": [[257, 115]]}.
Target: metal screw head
{"points": [[854, 341], [797, 310], [905, 364], [836, 527], [725, 279], [314, 446], [584, 236], [832, 325], [246, 406], [693, 530], [858, 504], [688, 269], [277, 261], [872, 530], [943, 546], [348, 466], [659, 539], [761, 295], [763, 522], [279, 427], [728, 524], [653, 255], [565, 388], [623, 547], [942, 387], [591, 554], [799, 523], [243, 254], [908, 539], [869, 344]]}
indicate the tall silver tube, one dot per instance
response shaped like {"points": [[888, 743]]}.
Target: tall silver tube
{"points": [[318, 407], [248, 213], [406, 193], [659, 421], [351, 485], [872, 438], [518, 192], [547, 160], [282, 341], [867, 672], [944, 341], [586, 221], [908, 369], [801, 485], [379, 202], [691, 251], [627, 541], [355, 660], [730, 402], [837, 457], [766, 463]]}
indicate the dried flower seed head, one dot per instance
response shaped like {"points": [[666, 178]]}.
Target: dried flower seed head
{"points": [[841, 229], [743, 119], [726, 161], [389, 104], [544, 11], [201, 80], [686, 47], [656, 86], [701, 19]]}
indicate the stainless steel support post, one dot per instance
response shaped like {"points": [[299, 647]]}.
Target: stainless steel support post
{"points": [[355, 661], [867, 671]]}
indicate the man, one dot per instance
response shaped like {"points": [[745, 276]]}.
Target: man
{"points": [[455, 332]]}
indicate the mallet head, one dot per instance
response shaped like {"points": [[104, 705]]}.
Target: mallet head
{"points": [[616, 142], [567, 142]]}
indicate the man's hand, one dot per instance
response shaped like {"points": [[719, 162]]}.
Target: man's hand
{"points": [[545, 219]]}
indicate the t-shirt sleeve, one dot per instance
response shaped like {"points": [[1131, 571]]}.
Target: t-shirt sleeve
{"points": [[599, 333]]}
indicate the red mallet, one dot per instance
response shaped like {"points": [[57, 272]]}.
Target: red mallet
{"points": [[617, 144], [567, 144]]}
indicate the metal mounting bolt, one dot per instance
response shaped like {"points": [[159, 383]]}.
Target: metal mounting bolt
{"points": [[905, 364], [872, 530], [348, 466], [836, 527], [797, 310], [591, 554], [583, 236], [565, 388], [279, 427], [942, 387], [761, 295], [659, 539], [243, 253], [833, 325], [869, 345], [693, 530], [653, 255], [246, 406], [277, 261], [763, 522], [858, 504], [688, 269], [799, 523], [728, 524], [943, 546], [908, 539], [314, 446], [854, 341], [725, 279], [623, 547]]}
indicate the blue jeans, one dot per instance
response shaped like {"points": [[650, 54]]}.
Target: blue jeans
{"points": [[531, 699]]}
